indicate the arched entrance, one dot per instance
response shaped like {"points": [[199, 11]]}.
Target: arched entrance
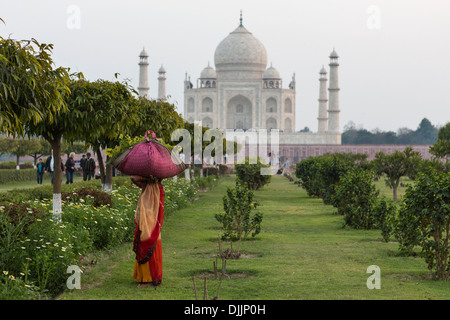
{"points": [[239, 113]]}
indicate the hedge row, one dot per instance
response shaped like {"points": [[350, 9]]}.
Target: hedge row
{"points": [[46, 191], [10, 175]]}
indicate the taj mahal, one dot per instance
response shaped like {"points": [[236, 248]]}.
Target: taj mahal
{"points": [[241, 92]]}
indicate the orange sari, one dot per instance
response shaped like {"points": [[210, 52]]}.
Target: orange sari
{"points": [[147, 237]]}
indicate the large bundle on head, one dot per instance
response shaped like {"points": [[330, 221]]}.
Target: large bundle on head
{"points": [[149, 158]]}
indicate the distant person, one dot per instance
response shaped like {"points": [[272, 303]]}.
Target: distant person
{"points": [[286, 166], [82, 160], [40, 171], [50, 166], [70, 168], [88, 168]]}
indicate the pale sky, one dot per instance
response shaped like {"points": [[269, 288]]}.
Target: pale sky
{"points": [[394, 54]]}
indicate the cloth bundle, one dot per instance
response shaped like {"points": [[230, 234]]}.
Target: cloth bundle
{"points": [[149, 158]]}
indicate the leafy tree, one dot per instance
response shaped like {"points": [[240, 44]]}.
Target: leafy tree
{"points": [[444, 132], [426, 133], [98, 112], [384, 212], [424, 220], [69, 122], [441, 149], [405, 136], [7, 145], [25, 147], [355, 198], [307, 171], [396, 165], [319, 175], [158, 116], [31, 93], [45, 149], [77, 147], [30, 88]]}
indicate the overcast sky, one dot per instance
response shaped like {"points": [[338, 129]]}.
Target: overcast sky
{"points": [[394, 54]]}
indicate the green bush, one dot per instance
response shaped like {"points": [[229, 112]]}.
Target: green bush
{"points": [[424, 220], [46, 191], [355, 198], [319, 175], [210, 172], [240, 216], [8, 165], [385, 211], [13, 175], [206, 183], [224, 169], [249, 173]]}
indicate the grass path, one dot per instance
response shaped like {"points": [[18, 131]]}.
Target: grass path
{"points": [[302, 253]]}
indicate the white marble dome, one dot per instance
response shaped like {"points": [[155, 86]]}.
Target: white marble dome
{"points": [[208, 73], [240, 50], [271, 73]]}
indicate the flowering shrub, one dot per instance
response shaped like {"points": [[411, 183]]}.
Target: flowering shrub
{"points": [[99, 198], [178, 193], [16, 288], [34, 244]]}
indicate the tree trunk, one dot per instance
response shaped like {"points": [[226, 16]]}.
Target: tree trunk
{"points": [[107, 187], [394, 188], [17, 162], [57, 176], [101, 166]]}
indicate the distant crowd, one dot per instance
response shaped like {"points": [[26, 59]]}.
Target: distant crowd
{"points": [[87, 165]]}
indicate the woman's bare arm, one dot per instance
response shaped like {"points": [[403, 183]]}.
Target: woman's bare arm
{"points": [[141, 181]]}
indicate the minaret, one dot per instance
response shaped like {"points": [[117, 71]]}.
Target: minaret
{"points": [[333, 105], [162, 84], [143, 74], [323, 116]]}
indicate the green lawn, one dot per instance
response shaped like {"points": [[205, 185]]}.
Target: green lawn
{"points": [[302, 253]]}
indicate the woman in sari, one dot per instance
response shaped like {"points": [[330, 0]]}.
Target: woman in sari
{"points": [[147, 237]]}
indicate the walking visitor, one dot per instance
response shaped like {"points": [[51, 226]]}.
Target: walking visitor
{"points": [[40, 171], [88, 167], [70, 168]]}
